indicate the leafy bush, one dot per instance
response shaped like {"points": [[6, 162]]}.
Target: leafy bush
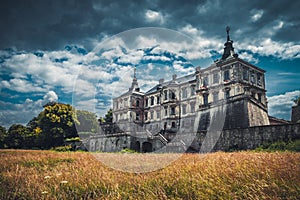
{"points": [[293, 146], [127, 150], [74, 139], [280, 146], [63, 148]]}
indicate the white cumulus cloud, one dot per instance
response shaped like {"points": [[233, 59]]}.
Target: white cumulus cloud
{"points": [[281, 105], [154, 16]]}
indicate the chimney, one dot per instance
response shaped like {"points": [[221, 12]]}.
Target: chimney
{"points": [[174, 77]]}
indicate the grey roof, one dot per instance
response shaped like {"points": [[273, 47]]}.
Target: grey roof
{"points": [[180, 80]]}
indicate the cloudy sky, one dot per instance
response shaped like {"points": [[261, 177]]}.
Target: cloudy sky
{"points": [[84, 52]]}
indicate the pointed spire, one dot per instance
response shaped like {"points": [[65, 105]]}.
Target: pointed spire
{"points": [[228, 50], [227, 30], [134, 84]]}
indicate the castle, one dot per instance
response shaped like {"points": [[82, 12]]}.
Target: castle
{"points": [[188, 113]]}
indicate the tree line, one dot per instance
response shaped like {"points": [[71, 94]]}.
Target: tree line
{"points": [[53, 126]]}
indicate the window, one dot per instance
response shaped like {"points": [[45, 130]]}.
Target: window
{"points": [[215, 96], [165, 125], [205, 81], [205, 99], [173, 111], [183, 109], [253, 78], [215, 78], [259, 97], [172, 95], [173, 124], [226, 75], [137, 116], [166, 111], [245, 74], [158, 115], [146, 102], [125, 102], [152, 115], [259, 79], [227, 94], [184, 93], [137, 103], [166, 94], [192, 107], [193, 90], [157, 99], [152, 101], [146, 116]]}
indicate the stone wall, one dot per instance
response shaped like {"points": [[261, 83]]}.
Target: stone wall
{"points": [[257, 115], [252, 137]]}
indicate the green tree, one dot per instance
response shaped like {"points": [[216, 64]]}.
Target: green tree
{"points": [[109, 116], [54, 124], [87, 121], [17, 137], [3, 135]]}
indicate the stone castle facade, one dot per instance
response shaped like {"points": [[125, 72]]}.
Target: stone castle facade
{"points": [[173, 115], [171, 104]]}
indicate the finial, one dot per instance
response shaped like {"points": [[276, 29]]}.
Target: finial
{"points": [[227, 30], [134, 75]]}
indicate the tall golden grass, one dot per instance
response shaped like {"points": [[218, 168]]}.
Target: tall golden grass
{"points": [[27, 174]]}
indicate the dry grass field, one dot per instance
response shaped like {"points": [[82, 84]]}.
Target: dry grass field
{"points": [[28, 174]]}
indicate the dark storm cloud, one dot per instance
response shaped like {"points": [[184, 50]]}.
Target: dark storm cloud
{"points": [[49, 25]]}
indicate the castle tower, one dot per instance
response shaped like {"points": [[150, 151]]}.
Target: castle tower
{"points": [[128, 107], [243, 88]]}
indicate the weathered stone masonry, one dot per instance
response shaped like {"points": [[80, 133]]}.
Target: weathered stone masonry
{"points": [[252, 137]]}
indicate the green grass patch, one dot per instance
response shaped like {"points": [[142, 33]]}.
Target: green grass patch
{"points": [[280, 146]]}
